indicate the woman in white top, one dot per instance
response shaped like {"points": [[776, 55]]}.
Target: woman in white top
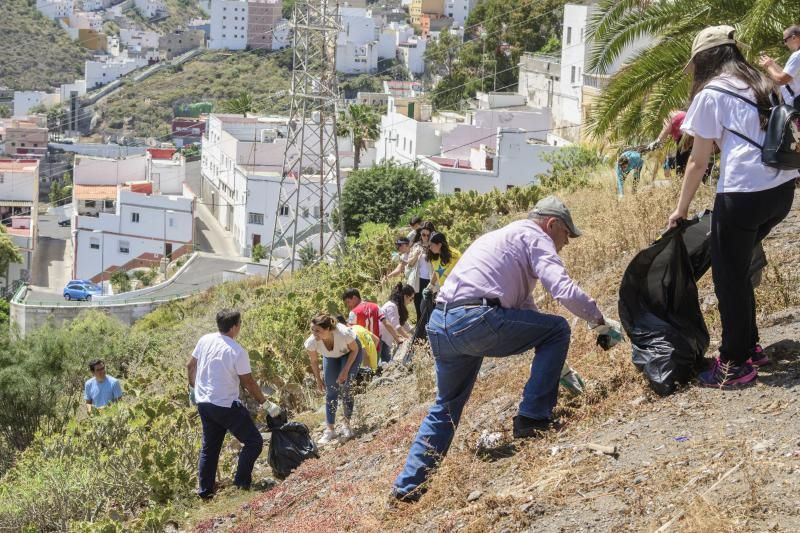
{"points": [[418, 267], [751, 197], [394, 326], [341, 357]]}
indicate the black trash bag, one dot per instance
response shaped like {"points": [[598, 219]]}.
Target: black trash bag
{"points": [[290, 444], [659, 305]]}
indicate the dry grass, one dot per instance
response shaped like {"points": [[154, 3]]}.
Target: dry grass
{"points": [[554, 476]]}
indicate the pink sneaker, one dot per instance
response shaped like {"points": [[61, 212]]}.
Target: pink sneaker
{"points": [[726, 375], [759, 358]]}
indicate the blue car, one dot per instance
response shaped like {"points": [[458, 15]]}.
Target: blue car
{"points": [[80, 289]]}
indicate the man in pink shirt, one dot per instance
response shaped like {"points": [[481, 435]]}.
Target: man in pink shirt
{"points": [[486, 308]]}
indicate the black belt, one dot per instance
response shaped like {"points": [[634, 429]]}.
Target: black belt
{"points": [[478, 302]]}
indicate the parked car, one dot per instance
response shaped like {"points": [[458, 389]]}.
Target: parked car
{"points": [[63, 223], [81, 289]]}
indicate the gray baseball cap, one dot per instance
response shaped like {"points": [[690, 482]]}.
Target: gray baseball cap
{"points": [[551, 206]]}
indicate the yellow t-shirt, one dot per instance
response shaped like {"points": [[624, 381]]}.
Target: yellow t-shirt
{"points": [[368, 343], [442, 271]]}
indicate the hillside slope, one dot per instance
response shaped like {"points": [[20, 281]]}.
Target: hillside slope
{"points": [[179, 13], [146, 108], [36, 53], [700, 460]]}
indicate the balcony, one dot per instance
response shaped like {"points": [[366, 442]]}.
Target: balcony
{"points": [[596, 81]]}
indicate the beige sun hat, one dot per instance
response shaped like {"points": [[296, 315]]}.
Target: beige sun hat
{"points": [[709, 38]]}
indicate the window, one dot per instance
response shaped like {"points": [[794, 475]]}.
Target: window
{"points": [[94, 243], [284, 211], [457, 189], [317, 212], [509, 187], [171, 222], [582, 34], [569, 35], [257, 218], [124, 247], [89, 204], [135, 218], [572, 75], [109, 204]]}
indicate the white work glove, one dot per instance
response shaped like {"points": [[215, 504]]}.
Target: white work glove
{"points": [[653, 145], [609, 334], [272, 409]]}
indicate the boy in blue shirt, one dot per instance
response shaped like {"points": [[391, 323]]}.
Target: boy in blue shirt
{"points": [[627, 162], [101, 390]]}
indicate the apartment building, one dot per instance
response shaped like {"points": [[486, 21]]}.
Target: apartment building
{"points": [[24, 137], [262, 18], [19, 211]]}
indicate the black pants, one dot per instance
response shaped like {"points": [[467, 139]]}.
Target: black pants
{"points": [[740, 221], [216, 422], [418, 295]]}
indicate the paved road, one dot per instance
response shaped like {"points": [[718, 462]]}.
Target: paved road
{"points": [[52, 261], [205, 271], [210, 236]]}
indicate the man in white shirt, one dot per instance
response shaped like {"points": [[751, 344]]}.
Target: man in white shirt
{"points": [[216, 369], [787, 76]]}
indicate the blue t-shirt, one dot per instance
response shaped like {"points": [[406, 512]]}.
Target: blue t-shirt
{"points": [[102, 393], [635, 163]]}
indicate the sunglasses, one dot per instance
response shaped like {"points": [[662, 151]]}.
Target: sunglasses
{"points": [[425, 234], [786, 39]]}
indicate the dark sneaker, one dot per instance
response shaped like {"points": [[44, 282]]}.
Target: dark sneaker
{"points": [[409, 497], [724, 374], [525, 427], [759, 358]]}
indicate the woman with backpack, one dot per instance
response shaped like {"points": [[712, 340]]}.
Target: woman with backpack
{"points": [[728, 97], [442, 258]]}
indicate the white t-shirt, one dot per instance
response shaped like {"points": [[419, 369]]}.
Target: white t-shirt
{"points": [[711, 114], [424, 266], [792, 68], [342, 336], [391, 313], [220, 362]]}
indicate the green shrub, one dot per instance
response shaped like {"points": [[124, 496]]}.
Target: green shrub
{"points": [[570, 169], [120, 281]]}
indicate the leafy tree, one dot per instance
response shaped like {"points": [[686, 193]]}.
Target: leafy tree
{"points": [[258, 253], [441, 55], [382, 194], [287, 10], [9, 253], [241, 105], [120, 281], [362, 123], [5, 112], [652, 84]]}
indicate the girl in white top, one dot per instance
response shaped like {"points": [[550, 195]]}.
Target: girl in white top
{"points": [[394, 326], [341, 357], [418, 267], [751, 197]]}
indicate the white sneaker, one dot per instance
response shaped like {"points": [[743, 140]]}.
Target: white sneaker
{"points": [[345, 432], [328, 436]]}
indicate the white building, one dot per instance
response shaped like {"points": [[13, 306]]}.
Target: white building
{"points": [[407, 131], [66, 90], [55, 9], [228, 25], [24, 101], [19, 211], [150, 8], [513, 160], [391, 35], [458, 10], [166, 170], [282, 35], [241, 165], [98, 73], [358, 26], [411, 54], [356, 58], [139, 39], [82, 20], [94, 5], [141, 231]]}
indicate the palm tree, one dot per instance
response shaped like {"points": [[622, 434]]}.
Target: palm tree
{"points": [[362, 123], [240, 105], [642, 93]]}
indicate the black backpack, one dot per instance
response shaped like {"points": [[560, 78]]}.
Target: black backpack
{"points": [[781, 148]]}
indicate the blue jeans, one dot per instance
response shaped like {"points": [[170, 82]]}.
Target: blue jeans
{"points": [[216, 422], [331, 368], [386, 352], [459, 340]]}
